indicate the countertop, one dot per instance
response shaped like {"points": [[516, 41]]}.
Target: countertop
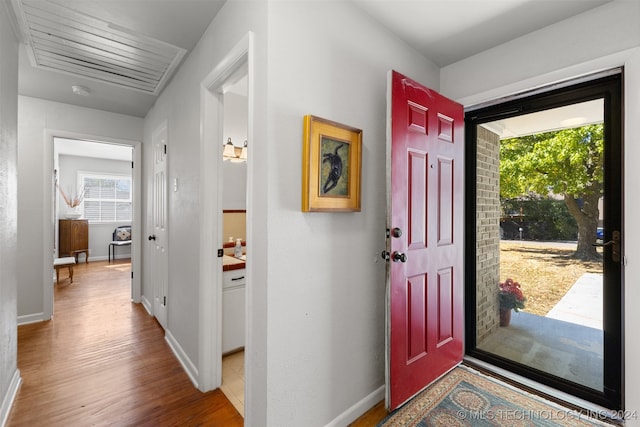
{"points": [[232, 263]]}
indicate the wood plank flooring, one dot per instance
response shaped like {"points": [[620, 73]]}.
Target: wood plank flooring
{"points": [[103, 360], [372, 417]]}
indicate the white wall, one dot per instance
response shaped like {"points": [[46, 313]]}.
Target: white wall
{"points": [[604, 38], [586, 37], [234, 191], [235, 118], [320, 349], [326, 280], [234, 188], [180, 105], [38, 121], [99, 234], [9, 374]]}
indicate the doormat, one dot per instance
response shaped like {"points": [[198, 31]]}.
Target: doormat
{"points": [[465, 397]]}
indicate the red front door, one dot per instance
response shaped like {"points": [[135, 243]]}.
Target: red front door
{"points": [[426, 277]]}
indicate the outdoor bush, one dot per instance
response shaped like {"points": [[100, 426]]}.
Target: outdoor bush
{"points": [[541, 219]]}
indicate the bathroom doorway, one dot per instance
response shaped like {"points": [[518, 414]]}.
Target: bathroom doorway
{"points": [[234, 241], [216, 91]]}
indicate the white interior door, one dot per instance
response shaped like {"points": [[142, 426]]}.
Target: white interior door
{"points": [[158, 238]]}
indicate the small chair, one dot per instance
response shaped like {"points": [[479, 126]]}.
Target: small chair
{"points": [[66, 262], [121, 237]]}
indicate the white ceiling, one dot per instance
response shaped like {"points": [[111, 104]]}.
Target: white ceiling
{"points": [[570, 116], [445, 31], [180, 23]]}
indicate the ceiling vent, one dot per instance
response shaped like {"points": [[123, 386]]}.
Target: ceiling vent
{"points": [[61, 39]]}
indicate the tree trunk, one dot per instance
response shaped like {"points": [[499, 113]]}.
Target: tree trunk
{"points": [[587, 219]]}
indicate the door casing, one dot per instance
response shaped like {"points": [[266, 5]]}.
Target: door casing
{"points": [[49, 226], [237, 62]]}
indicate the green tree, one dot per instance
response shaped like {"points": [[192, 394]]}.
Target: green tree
{"points": [[568, 163]]}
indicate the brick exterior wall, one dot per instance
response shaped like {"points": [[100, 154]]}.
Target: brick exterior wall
{"points": [[487, 233]]}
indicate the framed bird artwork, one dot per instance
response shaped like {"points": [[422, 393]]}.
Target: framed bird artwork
{"points": [[331, 166]]}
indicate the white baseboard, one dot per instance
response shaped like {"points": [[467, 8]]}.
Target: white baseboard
{"points": [[31, 318], [7, 401], [146, 304], [182, 357], [356, 411]]}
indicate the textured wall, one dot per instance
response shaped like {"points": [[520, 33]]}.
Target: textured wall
{"points": [[8, 210], [487, 233]]}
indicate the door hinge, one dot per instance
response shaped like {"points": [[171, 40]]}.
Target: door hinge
{"points": [[164, 300], [165, 148], [220, 253], [131, 165], [132, 274]]}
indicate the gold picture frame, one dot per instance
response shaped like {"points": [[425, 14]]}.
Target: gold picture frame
{"points": [[331, 166]]}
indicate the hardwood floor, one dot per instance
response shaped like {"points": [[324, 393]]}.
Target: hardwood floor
{"points": [[103, 360], [372, 417]]}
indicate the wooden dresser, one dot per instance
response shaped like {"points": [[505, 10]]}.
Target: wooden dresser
{"points": [[74, 238]]}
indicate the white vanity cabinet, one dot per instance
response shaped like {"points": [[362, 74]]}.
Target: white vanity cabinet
{"points": [[233, 309]]}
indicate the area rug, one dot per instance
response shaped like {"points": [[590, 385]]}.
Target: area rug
{"points": [[465, 397]]}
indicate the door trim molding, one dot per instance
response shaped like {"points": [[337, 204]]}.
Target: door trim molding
{"points": [[49, 226], [235, 64]]}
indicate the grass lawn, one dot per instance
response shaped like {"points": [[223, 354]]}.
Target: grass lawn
{"points": [[545, 273]]}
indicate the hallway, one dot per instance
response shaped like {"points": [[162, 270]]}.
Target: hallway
{"points": [[103, 360]]}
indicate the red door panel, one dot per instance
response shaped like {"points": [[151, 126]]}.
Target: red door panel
{"points": [[425, 310], [445, 201], [416, 297], [417, 204], [445, 304]]}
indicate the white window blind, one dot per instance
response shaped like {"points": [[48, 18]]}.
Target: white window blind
{"points": [[107, 198]]}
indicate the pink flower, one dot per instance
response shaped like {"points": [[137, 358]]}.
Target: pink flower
{"points": [[511, 296]]}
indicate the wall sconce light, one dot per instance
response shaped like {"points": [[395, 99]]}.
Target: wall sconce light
{"points": [[233, 153], [243, 153]]}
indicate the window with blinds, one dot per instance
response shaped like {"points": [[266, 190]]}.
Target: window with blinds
{"points": [[107, 198]]}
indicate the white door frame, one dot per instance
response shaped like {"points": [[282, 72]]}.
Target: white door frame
{"points": [[47, 262], [237, 63]]}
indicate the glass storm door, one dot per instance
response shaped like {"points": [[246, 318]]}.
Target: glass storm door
{"points": [[544, 211]]}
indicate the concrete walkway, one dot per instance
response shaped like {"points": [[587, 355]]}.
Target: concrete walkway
{"points": [[582, 304], [564, 349], [567, 342]]}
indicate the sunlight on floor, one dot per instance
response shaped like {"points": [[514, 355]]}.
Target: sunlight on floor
{"points": [[120, 266]]}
